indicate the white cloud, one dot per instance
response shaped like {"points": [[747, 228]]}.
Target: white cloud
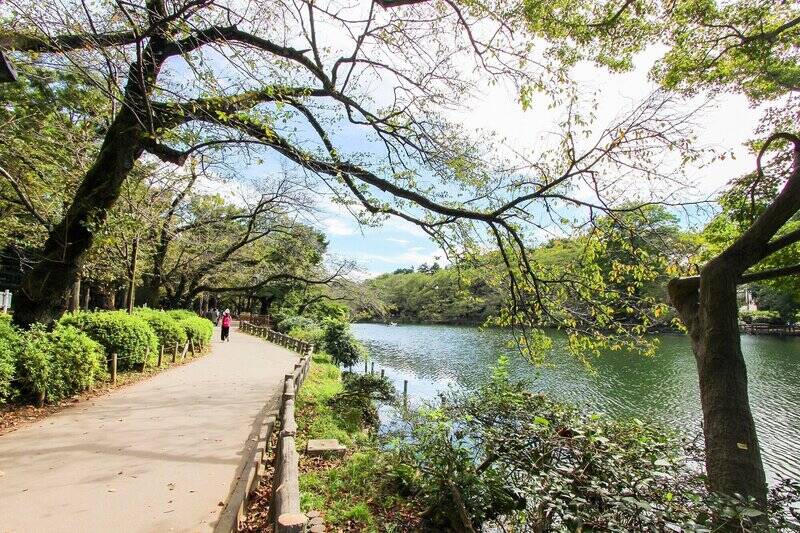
{"points": [[412, 256], [338, 226], [398, 241], [404, 226]]}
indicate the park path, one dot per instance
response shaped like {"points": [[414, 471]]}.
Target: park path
{"points": [[159, 455]]}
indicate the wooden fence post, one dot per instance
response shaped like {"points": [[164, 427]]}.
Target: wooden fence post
{"points": [[146, 357], [114, 368], [175, 353], [160, 356]]}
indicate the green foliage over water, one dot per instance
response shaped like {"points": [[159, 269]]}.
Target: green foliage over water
{"points": [[501, 455]]}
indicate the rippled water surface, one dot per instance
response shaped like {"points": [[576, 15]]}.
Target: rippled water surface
{"points": [[661, 389]]}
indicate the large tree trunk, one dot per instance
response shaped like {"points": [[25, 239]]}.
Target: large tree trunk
{"points": [[707, 305], [733, 457], [45, 289]]}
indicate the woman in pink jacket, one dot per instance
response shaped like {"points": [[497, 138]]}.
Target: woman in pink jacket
{"points": [[226, 325]]}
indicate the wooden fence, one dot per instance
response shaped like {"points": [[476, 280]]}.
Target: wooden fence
{"points": [[178, 354], [256, 320], [274, 336], [769, 329], [284, 510]]}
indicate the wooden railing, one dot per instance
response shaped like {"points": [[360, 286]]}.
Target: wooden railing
{"points": [[256, 320], [285, 506], [271, 335], [284, 510], [757, 328]]}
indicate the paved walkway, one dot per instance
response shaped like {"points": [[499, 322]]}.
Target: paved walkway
{"points": [[156, 456]]}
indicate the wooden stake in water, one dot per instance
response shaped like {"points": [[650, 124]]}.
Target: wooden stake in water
{"points": [[372, 369], [405, 393], [382, 373]]}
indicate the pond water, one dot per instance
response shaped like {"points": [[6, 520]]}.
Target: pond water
{"points": [[660, 389]]}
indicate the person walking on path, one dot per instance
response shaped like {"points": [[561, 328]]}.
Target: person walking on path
{"points": [[226, 325]]}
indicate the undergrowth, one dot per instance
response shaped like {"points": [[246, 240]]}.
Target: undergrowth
{"points": [[354, 492]]}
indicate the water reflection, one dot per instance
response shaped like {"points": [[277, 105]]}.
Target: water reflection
{"points": [[662, 388]]}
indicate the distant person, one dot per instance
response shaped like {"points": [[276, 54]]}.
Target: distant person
{"points": [[226, 325]]}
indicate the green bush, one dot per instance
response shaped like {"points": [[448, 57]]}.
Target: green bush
{"points": [[340, 343], [76, 361], [129, 336], [312, 335], [56, 365], [761, 317], [168, 329], [9, 344], [180, 314], [199, 330], [520, 461], [296, 322]]}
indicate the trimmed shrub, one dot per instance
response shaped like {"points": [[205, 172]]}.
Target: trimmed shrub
{"points": [[33, 366], [199, 330], [9, 344], [168, 330], [56, 365], [129, 336], [76, 362], [180, 314]]}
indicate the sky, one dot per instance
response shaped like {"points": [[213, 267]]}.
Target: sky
{"points": [[727, 124]]}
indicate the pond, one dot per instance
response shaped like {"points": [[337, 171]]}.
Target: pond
{"points": [[661, 389]]}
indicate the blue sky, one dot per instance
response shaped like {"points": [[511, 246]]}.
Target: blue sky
{"points": [[399, 244]]}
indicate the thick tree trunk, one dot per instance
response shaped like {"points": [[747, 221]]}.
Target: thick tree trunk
{"points": [[76, 295], [733, 457], [264, 303], [87, 297], [45, 289]]}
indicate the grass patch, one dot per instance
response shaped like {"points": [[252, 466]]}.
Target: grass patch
{"points": [[316, 419], [355, 492]]}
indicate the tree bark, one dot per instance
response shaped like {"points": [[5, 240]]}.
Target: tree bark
{"points": [[44, 293], [733, 456], [707, 306], [75, 304]]}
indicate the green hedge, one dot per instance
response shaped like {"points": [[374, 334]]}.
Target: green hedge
{"points": [[54, 365], [9, 344], [198, 329], [129, 336], [168, 330], [181, 314]]}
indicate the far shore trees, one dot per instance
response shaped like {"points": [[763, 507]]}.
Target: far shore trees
{"points": [[300, 81]]}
